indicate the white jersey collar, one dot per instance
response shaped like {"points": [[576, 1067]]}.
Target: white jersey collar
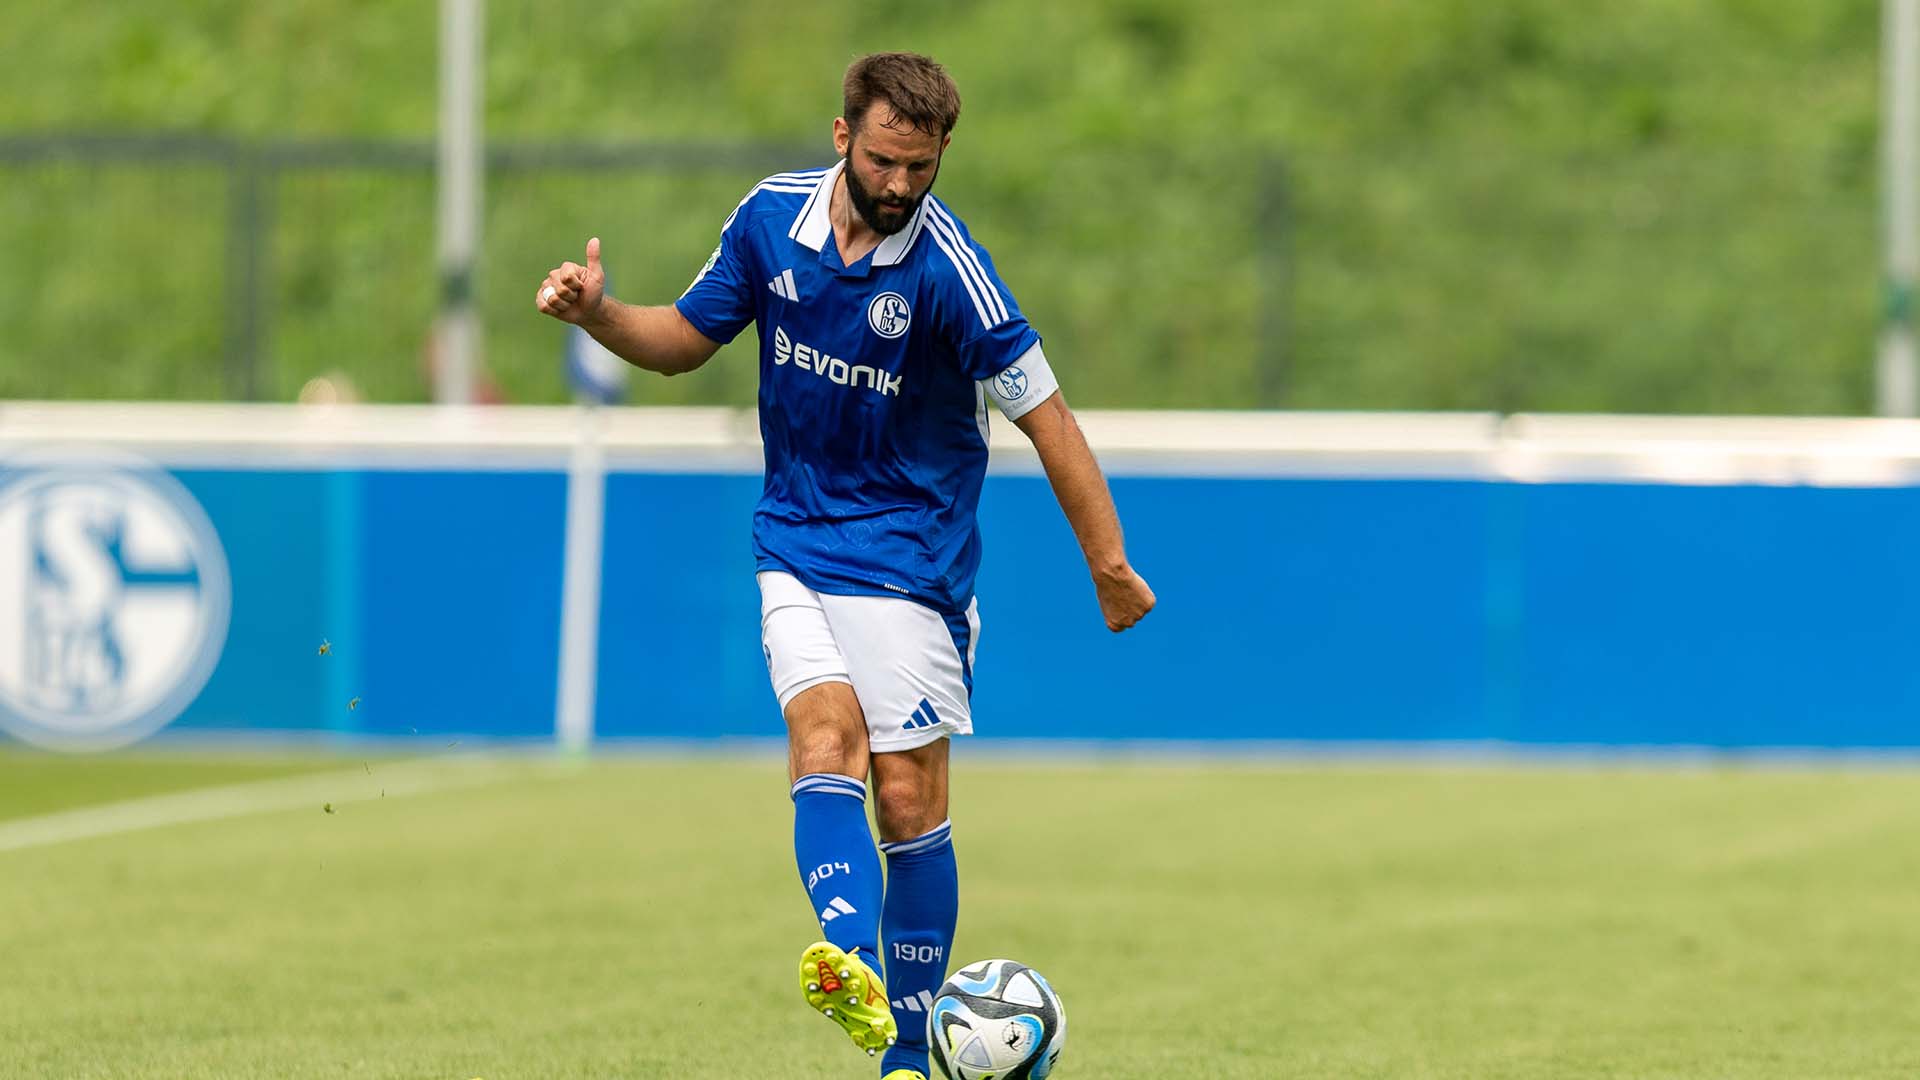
{"points": [[813, 227]]}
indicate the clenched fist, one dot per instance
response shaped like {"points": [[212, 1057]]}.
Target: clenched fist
{"points": [[571, 292], [1124, 596]]}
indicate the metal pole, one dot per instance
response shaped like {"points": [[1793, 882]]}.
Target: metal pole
{"points": [[1275, 233], [457, 337], [245, 239], [580, 588], [1897, 385]]}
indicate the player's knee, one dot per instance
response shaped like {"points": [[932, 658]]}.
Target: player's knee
{"points": [[830, 749], [905, 810]]}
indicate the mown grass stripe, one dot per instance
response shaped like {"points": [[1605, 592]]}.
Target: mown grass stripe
{"points": [[314, 790]]}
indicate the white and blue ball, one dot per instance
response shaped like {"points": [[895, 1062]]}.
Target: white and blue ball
{"points": [[996, 1020]]}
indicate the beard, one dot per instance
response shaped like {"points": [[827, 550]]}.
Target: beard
{"points": [[885, 218]]}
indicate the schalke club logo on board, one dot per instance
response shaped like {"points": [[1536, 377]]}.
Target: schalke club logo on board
{"points": [[114, 598], [889, 315]]}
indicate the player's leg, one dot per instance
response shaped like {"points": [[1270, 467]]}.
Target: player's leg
{"points": [[831, 841], [833, 846], [912, 669], [841, 976], [923, 889]]}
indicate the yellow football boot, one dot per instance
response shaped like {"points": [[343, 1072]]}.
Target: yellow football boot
{"points": [[845, 989]]}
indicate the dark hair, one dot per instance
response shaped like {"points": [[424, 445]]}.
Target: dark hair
{"points": [[918, 89]]}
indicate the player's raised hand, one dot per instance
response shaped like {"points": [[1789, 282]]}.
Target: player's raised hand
{"points": [[1125, 598], [571, 292]]}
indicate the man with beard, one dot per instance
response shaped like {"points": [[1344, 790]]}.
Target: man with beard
{"points": [[884, 330]]}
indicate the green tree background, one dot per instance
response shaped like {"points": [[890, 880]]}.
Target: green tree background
{"points": [[1647, 206]]}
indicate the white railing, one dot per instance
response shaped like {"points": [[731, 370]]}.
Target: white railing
{"points": [[1527, 447]]}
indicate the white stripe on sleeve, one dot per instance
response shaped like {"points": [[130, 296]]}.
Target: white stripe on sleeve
{"points": [[994, 302], [972, 293]]}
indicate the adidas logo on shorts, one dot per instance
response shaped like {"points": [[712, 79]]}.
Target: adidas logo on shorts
{"points": [[923, 717]]}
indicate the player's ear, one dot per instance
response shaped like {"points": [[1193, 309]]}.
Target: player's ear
{"points": [[842, 136]]}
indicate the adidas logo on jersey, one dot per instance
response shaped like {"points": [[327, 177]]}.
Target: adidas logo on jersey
{"points": [[784, 287], [923, 717], [831, 368]]}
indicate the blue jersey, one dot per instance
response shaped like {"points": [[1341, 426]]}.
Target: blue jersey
{"points": [[871, 408]]}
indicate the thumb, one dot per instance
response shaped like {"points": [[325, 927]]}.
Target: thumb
{"points": [[593, 254]]}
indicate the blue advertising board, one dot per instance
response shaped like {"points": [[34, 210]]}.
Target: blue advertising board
{"points": [[395, 601]]}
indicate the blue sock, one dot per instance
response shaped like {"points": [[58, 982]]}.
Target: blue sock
{"points": [[838, 863], [916, 928]]}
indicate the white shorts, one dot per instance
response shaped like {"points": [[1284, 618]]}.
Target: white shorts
{"points": [[910, 666]]}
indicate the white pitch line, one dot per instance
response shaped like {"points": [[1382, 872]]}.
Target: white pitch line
{"points": [[311, 791]]}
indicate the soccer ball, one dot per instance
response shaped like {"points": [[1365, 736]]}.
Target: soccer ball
{"points": [[996, 1020]]}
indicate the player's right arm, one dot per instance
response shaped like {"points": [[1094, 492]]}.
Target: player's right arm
{"points": [[655, 338]]}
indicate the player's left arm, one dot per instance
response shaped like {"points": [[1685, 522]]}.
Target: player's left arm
{"points": [[1082, 491], [995, 346]]}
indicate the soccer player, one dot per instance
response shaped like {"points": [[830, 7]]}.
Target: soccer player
{"points": [[884, 331]]}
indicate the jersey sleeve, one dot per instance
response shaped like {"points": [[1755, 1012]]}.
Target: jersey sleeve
{"points": [[718, 303], [974, 309]]}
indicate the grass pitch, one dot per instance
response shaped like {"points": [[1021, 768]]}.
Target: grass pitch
{"points": [[639, 917]]}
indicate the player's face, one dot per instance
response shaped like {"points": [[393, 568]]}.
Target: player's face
{"points": [[891, 165]]}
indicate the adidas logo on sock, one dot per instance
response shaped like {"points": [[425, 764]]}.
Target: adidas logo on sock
{"points": [[922, 1003], [784, 287], [923, 717], [834, 909]]}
